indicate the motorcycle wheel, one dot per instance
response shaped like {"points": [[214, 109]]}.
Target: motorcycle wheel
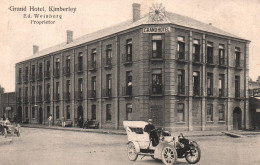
{"points": [[169, 155], [131, 152], [194, 155]]}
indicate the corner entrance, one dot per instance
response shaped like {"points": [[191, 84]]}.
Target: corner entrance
{"points": [[237, 119]]}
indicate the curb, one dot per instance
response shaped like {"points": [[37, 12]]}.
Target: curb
{"points": [[231, 134]]}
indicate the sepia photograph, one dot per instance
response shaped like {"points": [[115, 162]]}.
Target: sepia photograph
{"points": [[130, 82]]}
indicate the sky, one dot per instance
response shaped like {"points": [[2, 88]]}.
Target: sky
{"points": [[18, 35]]}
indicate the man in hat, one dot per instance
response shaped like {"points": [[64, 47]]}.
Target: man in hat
{"points": [[150, 128]]}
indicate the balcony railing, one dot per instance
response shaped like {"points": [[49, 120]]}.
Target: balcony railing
{"points": [[182, 56], [222, 62], [197, 58], [47, 98], [107, 93], [25, 79], [212, 61], [57, 97], [197, 91], [157, 90], [222, 92], [66, 71], [92, 65], [79, 95], [66, 96], [127, 59], [92, 94], [239, 94], [39, 76], [25, 99], [32, 77], [239, 64], [156, 56], [79, 67], [19, 100], [56, 73], [39, 98], [127, 91], [47, 74], [182, 90], [107, 63]]}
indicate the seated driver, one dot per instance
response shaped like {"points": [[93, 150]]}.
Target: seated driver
{"points": [[149, 128]]}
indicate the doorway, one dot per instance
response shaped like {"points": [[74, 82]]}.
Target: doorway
{"points": [[40, 115], [237, 119]]}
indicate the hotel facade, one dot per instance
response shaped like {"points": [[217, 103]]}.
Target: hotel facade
{"points": [[182, 73]]}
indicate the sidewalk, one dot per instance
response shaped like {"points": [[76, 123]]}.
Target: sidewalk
{"points": [[122, 132]]}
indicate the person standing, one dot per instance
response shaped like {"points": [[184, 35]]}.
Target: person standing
{"points": [[150, 128], [50, 120]]}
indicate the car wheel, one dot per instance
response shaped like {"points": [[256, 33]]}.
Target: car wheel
{"points": [[131, 152], [169, 155], [5, 132], [194, 155]]}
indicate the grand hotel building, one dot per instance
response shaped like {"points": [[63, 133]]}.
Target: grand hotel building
{"points": [[182, 73]]}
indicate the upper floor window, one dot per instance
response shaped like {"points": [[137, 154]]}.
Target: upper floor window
{"points": [[80, 61], [129, 83], [221, 54], [129, 50], [93, 83], [68, 64], [68, 112], [68, 87], [40, 68], [109, 54], [157, 81], [33, 72], [237, 86], [196, 50], [109, 81], [57, 90], [157, 46], [237, 57], [26, 71], [209, 84], [33, 91], [181, 82], [20, 74], [48, 90], [221, 83], [210, 58], [48, 66], [93, 55], [196, 83], [80, 86], [181, 48], [57, 64]]}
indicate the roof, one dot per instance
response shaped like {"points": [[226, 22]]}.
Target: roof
{"points": [[171, 18]]}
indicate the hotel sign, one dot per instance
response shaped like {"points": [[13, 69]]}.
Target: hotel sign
{"points": [[157, 30]]}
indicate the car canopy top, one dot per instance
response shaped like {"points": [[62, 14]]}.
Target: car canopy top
{"points": [[134, 124]]}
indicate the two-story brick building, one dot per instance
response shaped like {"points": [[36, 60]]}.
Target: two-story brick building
{"points": [[182, 73]]}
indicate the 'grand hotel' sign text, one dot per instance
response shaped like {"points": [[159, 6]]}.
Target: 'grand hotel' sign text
{"points": [[157, 30]]}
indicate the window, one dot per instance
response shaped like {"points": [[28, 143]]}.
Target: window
{"points": [[109, 55], [180, 81], [221, 85], [68, 64], [26, 73], [221, 54], [93, 112], [156, 81], [20, 75], [196, 83], [196, 50], [210, 53], [68, 89], [33, 94], [181, 48], [129, 50], [40, 91], [237, 57], [57, 65], [108, 112], [57, 91], [221, 112], [80, 61], [40, 69], [80, 86], [93, 58], [26, 112], [129, 83], [20, 92], [129, 111], [48, 111], [26, 92], [210, 112], [93, 83], [108, 85], [180, 112], [33, 112], [48, 66], [157, 46], [237, 86], [57, 112], [48, 90], [68, 112], [33, 72], [210, 84]]}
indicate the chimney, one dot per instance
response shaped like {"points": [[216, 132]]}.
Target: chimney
{"points": [[69, 36], [136, 11], [35, 49]]}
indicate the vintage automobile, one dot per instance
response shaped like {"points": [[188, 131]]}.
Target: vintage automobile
{"points": [[8, 128], [168, 149]]}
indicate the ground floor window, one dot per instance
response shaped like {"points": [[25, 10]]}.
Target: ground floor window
{"points": [[180, 112], [221, 112], [33, 112], [210, 112], [108, 112], [128, 111], [26, 112], [93, 112], [57, 112], [68, 112], [48, 111]]}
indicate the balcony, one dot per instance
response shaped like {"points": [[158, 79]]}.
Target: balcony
{"points": [[197, 59], [239, 94], [182, 90], [107, 63], [127, 91], [222, 62], [197, 91], [25, 79], [182, 56], [56, 73], [92, 65], [66, 71], [39, 98], [156, 56], [66, 96], [25, 99], [47, 98], [19, 100], [239, 64], [79, 68], [47, 74], [156, 90], [92, 94], [32, 77], [212, 61], [222, 92], [127, 59], [39, 76], [107, 93], [79, 95]]}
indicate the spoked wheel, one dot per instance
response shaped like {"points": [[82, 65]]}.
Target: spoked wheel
{"points": [[5, 132], [169, 155], [194, 155], [131, 152], [18, 133]]}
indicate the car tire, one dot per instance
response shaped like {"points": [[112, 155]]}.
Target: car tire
{"points": [[18, 133], [191, 158], [169, 155], [131, 151]]}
